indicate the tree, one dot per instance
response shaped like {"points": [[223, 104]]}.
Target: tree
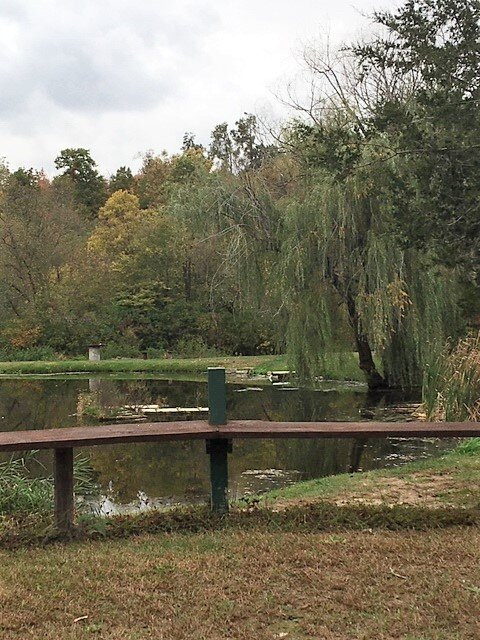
{"points": [[160, 174], [188, 142], [431, 140], [241, 148], [340, 240], [118, 220], [90, 187], [122, 180], [39, 229]]}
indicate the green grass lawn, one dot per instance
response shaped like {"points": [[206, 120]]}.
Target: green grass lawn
{"points": [[164, 365], [337, 366]]}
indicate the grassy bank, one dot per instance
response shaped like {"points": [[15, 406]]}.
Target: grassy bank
{"points": [[120, 365], [452, 480], [314, 564], [336, 366]]}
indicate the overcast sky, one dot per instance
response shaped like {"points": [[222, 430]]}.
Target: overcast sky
{"points": [[122, 76]]}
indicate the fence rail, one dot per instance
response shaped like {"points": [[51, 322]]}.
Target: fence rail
{"points": [[218, 433]]}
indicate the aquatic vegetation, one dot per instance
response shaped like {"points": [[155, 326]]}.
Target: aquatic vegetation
{"points": [[21, 492], [451, 386]]}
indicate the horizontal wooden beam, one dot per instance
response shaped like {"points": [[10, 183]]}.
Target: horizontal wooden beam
{"points": [[200, 429], [262, 429], [106, 434]]}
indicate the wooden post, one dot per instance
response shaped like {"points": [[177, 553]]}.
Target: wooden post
{"points": [[64, 490], [218, 448]]}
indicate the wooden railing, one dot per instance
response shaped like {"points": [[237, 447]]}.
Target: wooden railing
{"points": [[218, 432]]}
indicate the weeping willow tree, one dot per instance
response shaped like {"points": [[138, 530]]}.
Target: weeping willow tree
{"points": [[236, 221], [341, 242]]}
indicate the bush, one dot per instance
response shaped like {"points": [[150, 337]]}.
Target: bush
{"points": [[470, 447], [30, 353], [194, 347], [155, 353], [120, 350]]}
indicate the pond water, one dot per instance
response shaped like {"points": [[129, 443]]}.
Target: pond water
{"points": [[136, 476]]}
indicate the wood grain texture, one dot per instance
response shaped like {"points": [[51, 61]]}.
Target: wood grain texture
{"points": [[200, 429], [105, 434], [262, 429]]}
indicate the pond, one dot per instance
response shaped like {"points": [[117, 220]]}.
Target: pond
{"points": [[137, 476]]}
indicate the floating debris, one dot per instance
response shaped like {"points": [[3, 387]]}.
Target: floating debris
{"points": [[279, 376], [155, 408]]}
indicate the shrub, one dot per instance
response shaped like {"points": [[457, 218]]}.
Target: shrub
{"points": [[120, 350], [469, 447], [451, 388], [194, 347], [30, 353], [155, 353]]}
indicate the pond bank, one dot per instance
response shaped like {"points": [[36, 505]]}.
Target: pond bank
{"points": [[432, 493], [138, 365], [337, 366]]}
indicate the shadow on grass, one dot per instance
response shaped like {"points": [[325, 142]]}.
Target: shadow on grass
{"points": [[306, 518]]}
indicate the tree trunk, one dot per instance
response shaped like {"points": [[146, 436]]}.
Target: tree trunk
{"points": [[367, 364], [365, 357]]}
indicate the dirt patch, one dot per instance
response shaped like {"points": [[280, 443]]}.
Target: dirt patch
{"points": [[420, 489]]}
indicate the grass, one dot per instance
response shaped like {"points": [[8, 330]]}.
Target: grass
{"points": [[313, 563], [163, 365], [450, 480], [451, 386], [22, 494], [337, 366], [247, 584]]}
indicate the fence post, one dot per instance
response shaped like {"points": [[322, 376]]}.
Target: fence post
{"points": [[218, 448], [63, 476]]}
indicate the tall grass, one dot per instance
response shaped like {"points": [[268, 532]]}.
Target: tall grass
{"points": [[21, 492], [451, 386]]}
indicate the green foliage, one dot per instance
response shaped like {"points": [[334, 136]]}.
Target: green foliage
{"points": [[431, 137], [21, 492], [120, 350], [122, 180], [470, 447], [451, 387], [240, 148], [90, 187], [341, 242], [28, 354]]}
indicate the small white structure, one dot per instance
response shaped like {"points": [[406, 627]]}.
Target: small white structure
{"points": [[94, 351]]}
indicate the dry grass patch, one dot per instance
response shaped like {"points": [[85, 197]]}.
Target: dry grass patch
{"points": [[247, 584]]}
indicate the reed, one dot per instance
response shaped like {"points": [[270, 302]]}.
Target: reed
{"points": [[21, 492], [451, 385]]}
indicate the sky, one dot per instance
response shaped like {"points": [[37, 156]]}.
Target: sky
{"points": [[120, 77]]}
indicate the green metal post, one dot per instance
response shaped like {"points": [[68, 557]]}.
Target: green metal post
{"points": [[217, 396], [218, 448]]}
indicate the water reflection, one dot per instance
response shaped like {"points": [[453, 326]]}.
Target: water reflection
{"points": [[143, 475]]}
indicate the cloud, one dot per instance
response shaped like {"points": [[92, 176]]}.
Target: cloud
{"points": [[121, 76], [97, 56]]}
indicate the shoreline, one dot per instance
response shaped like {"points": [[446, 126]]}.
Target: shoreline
{"points": [[336, 366]]}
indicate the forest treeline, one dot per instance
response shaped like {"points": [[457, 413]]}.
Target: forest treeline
{"points": [[352, 226]]}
